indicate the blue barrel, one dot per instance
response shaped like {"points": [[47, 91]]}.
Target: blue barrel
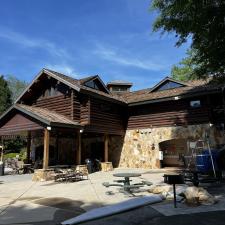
{"points": [[203, 161]]}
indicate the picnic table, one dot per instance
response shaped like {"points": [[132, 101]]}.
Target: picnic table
{"points": [[126, 182]]}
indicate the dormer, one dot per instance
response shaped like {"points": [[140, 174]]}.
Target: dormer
{"points": [[168, 83], [94, 82], [119, 86]]}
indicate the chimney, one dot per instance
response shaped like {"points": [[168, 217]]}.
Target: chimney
{"points": [[119, 86]]}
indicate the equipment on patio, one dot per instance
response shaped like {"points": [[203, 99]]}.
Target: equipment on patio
{"points": [[93, 165], [200, 162], [174, 179]]}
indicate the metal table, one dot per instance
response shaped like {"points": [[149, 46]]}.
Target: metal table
{"points": [[126, 182]]}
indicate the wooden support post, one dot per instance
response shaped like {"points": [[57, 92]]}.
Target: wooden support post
{"points": [[28, 146], [78, 151], [46, 149], [1, 149], [106, 148]]}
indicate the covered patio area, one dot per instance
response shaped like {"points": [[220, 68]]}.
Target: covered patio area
{"points": [[52, 139]]}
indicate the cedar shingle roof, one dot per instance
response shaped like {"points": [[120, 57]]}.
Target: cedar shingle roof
{"points": [[45, 115], [193, 87], [83, 80], [79, 84], [190, 87]]}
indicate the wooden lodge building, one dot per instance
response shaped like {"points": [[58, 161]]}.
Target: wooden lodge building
{"points": [[67, 120]]}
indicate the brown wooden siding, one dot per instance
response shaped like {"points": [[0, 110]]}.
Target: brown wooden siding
{"points": [[106, 117], [84, 110], [60, 104], [75, 107], [18, 123], [167, 114]]}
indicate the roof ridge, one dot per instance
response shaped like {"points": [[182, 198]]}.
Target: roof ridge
{"points": [[55, 72]]}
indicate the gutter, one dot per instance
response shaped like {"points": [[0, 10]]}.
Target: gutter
{"points": [[174, 98]]}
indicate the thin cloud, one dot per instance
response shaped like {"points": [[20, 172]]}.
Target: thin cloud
{"points": [[28, 42], [63, 68], [113, 55]]}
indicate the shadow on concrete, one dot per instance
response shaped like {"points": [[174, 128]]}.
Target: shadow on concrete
{"points": [[62, 203], [43, 211]]}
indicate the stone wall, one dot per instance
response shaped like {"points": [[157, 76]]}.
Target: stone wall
{"points": [[141, 147], [115, 148]]}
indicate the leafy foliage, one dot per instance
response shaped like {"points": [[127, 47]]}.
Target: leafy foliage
{"points": [[16, 86], [184, 71], [5, 95], [14, 145], [204, 22]]}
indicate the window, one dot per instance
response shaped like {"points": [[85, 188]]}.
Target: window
{"points": [[195, 104], [169, 85], [119, 88], [92, 84]]}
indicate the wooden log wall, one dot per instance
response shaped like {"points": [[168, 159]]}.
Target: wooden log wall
{"points": [[75, 107], [168, 114], [106, 117], [60, 104], [85, 110], [18, 123]]}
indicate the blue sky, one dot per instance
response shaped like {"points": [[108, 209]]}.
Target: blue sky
{"points": [[113, 39]]}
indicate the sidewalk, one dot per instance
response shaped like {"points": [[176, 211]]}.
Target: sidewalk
{"points": [[25, 202]]}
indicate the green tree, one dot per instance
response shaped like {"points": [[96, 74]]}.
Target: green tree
{"points": [[203, 21], [5, 95], [184, 71], [16, 86], [14, 145]]}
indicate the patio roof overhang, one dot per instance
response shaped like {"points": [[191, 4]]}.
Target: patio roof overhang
{"points": [[20, 118]]}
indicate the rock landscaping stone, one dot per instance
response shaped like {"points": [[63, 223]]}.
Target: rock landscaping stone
{"points": [[193, 195], [198, 195]]}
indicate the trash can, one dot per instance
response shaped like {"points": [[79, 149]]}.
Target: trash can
{"points": [[204, 162], [1, 168], [89, 165]]}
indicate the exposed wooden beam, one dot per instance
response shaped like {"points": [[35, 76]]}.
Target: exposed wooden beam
{"points": [[78, 151], [106, 147], [28, 146], [46, 149], [1, 149]]}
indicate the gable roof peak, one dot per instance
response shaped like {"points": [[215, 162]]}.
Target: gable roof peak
{"points": [[166, 79]]}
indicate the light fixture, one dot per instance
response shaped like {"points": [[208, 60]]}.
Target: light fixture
{"points": [[49, 128], [176, 98], [81, 131]]}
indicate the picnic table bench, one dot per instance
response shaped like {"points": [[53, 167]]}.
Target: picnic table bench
{"points": [[125, 183]]}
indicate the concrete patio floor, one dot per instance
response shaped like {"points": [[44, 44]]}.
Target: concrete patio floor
{"points": [[32, 203]]}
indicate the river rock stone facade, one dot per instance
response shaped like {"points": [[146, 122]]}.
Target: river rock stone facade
{"points": [[141, 147]]}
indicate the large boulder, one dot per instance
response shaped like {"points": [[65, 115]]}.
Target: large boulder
{"points": [[198, 195], [193, 195], [160, 188]]}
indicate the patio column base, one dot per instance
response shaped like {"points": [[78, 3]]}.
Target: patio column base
{"points": [[82, 168], [43, 175], [106, 166]]}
